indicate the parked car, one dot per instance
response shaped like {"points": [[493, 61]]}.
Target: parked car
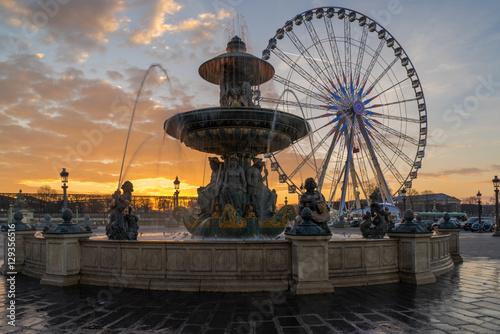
{"points": [[453, 220], [355, 223], [486, 225], [467, 225]]}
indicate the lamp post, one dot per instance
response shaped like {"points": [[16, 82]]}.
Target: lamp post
{"points": [[176, 193], [479, 211], [496, 184], [403, 194], [64, 179], [10, 212]]}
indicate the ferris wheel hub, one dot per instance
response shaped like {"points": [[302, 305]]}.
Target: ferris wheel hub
{"points": [[358, 107]]}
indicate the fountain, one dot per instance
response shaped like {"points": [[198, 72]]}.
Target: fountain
{"points": [[237, 202]]}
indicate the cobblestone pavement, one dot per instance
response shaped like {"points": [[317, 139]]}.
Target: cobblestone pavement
{"points": [[465, 300]]}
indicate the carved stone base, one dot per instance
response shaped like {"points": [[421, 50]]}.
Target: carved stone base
{"points": [[306, 288], [417, 278], [59, 280]]}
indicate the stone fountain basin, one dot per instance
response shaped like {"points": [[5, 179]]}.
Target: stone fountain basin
{"points": [[228, 130]]}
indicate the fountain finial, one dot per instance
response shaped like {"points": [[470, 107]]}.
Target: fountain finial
{"points": [[236, 45]]}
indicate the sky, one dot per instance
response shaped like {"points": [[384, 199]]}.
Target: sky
{"points": [[70, 72]]}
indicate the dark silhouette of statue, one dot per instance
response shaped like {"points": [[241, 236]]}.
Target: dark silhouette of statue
{"points": [[122, 223], [20, 203], [207, 195], [375, 224], [234, 186], [262, 196], [315, 201]]}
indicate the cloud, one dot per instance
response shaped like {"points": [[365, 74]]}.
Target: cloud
{"points": [[156, 24], [468, 171], [74, 27]]}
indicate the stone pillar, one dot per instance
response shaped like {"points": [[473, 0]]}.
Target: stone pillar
{"points": [[309, 257], [14, 235], [454, 242], [14, 264], [63, 252], [448, 227], [414, 251], [414, 257]]}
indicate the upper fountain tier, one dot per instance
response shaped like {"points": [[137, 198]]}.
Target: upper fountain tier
{"points": [[237, 126], [236, 66]]}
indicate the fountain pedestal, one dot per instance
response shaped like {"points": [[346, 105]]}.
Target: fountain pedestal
{"points": [[63, 259], [14, 264], [454, 242], [414, 257], [310, 264], [63, 252]]}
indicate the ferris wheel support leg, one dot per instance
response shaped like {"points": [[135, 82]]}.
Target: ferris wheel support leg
{"points": [[354, 177], [347, 169], [384, 189], [326, 162]]}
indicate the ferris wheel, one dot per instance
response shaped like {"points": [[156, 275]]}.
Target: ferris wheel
{"points": [[355, 85]]}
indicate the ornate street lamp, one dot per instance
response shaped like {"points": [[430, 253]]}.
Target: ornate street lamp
{"points": [[479, 211], [176, 193], [496, 184], [403, 194], [64, 179]]}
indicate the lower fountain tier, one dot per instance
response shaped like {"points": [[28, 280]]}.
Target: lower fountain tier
{"points": [[229, 224], [228, 130]]}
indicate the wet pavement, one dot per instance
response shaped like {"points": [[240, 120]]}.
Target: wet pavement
{"points": [[465, 300]]}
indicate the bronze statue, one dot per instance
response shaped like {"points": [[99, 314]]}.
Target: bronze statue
{"points": [[234, 186], [374, 225], [315, 201], [122, 223], [262, 196], [207, 196]]}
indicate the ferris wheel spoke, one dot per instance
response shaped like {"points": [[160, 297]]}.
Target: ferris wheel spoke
{"points": [[393, 148], [380, 77], [381, 153], [379, 126], [393, 117], [391, 103], [385, 91], [316, 148], [298, 104], [361, 53], [303, 90], [307, 57], [347, 50], [297, 68], [321, 51], [369, 70], [335, 51]]}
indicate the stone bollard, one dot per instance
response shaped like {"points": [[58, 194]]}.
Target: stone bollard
{"points": [[14, 244], [449, 227], [309, 257], [63, 252], [414, 251]]}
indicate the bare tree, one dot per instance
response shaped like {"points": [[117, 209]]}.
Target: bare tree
{"points": [[410, 196], [469, 200], [46, 195]]}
